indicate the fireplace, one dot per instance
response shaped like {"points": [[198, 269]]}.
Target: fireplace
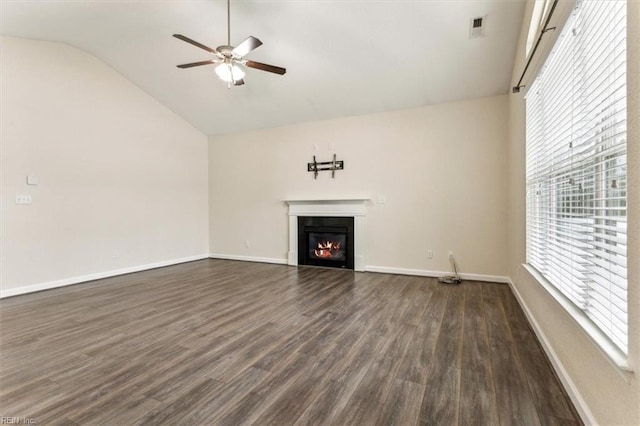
{"points": [[353, 209], [326, 241]]}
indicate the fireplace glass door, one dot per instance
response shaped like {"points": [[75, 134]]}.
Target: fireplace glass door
{"points": [[325, 241]]}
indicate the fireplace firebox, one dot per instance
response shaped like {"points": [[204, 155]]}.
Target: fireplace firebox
{"points": [[325, 241]]}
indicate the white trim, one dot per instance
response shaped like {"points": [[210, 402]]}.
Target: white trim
{"points": [[425, 273], [370, 268], [248, 258], [97, 276], [328, 207], [352, 207], [569, 386]]}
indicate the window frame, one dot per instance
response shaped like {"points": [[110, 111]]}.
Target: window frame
{"points": [[613, 353]]}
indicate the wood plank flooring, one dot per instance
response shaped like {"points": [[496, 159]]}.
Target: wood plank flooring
{"points": [[217, 342]]}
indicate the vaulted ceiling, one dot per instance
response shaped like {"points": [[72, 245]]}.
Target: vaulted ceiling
{"points": [[343, 57]]}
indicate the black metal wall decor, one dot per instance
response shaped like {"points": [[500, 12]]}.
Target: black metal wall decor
{"points": [[316, 167]]}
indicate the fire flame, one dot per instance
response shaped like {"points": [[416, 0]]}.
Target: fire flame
{"points": [[327, 249]]}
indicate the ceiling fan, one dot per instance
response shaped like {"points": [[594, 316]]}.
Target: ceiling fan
{"points": [[229, 58]]}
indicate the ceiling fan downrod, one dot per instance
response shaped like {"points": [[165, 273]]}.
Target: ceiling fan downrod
{"points": [[228, 22], [227, 60]]}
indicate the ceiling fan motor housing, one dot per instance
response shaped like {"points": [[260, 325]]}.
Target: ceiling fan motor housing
{"points": [[227, 51]]}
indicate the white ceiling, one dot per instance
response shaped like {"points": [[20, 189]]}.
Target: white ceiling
{"points": [[343, 57]]}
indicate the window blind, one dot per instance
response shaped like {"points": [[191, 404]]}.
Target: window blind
{"points": [[576, 166]]}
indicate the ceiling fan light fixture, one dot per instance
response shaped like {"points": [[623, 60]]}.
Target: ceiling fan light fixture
{"points": [[229, 73]]}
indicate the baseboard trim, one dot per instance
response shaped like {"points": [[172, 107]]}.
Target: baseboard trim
{"points": [[569, 386], [371, 268], [97, 276], [249, 258], [435, 274]]}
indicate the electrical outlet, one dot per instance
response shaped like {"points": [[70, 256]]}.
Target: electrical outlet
{"points": [[450, 254], [247, 244], [429, 254], [23, 199], [115, 254]]}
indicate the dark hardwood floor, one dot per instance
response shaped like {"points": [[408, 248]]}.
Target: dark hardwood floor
{"points": [[229, 343]]}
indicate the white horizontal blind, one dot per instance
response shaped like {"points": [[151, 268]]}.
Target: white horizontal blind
{"points": [[576, 166]]}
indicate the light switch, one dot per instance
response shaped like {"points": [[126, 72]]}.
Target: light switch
{"points": [[381, 199], [23, 199], [32, 180]]}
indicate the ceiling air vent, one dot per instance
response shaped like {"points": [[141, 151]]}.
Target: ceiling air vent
{"points": [[477, 26]]}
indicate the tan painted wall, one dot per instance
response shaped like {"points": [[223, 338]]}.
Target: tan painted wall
{"points": [[442, 170], [118, 172], [611, 396]]}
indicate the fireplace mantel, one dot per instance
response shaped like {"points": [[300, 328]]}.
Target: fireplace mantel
{"points": [[347, 207]]}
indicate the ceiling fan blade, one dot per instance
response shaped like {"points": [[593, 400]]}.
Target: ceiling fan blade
{"points": [[238, 82], [265, 67], [196, 64], [246, 46], [195, 43]]}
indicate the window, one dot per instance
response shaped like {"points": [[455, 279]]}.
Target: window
{"points": [[540, 11], [576, 166]]}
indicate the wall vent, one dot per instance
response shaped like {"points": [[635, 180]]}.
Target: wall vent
{"points": [[477, 26]]}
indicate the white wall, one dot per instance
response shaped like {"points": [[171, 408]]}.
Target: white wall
{"points": [[119, 174], [606, 395], [442, 170]]}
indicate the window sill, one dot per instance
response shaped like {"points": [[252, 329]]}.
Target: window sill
{"points": [[618, 359]]}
